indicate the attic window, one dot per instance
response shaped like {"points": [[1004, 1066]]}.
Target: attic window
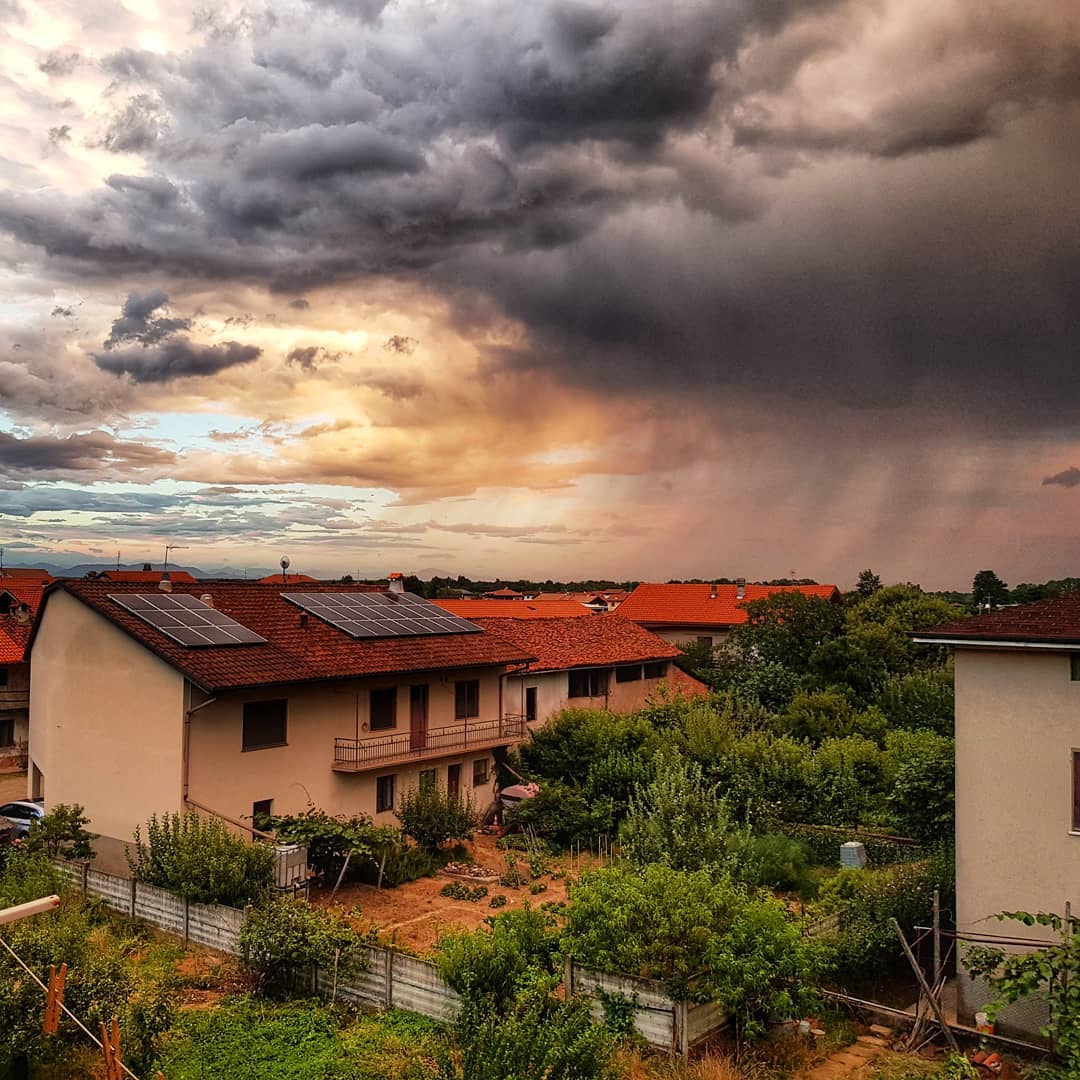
{"points": [[658, 669], [628, 673], [7, 602], [589, 683]]}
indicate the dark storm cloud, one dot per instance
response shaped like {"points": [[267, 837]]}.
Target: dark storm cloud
{"points": [[95, 451], [308, 357], [1068, 478], [175, 359], [59, 63], [59, 134], [60, 312], [300, 304], [137, 325], [670, 198], [400, 344]]}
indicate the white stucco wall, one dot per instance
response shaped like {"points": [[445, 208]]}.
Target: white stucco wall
{"points": [[1017, 724], [106, 720]]}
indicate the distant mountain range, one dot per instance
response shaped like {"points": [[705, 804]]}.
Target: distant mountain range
{"points": [[82, 569]]}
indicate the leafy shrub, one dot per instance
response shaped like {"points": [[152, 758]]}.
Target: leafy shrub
{"points": [[61, 833], [778, 862], [708, 940], [200, 859], [563, 815], [829, 714], [491, 966], [678, 819], [923, 699], [824, 842], [151, 1012], [330, 839], [538, 1035], [867, 899], [403, 864], [284, 935], [457, 890], [497, 901], [432, 816]]}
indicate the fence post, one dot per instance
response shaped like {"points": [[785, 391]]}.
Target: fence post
{"points": [[134, 886], [568, 976], [389, 954], [85, 877], [187, 918], [679, 1019]]}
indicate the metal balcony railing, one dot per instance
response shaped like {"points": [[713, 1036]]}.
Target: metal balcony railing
{"points": [[356, 755]]}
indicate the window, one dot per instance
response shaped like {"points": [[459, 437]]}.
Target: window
{"points": [[3, 676], [427, 780], [480, 772], [7, 732], [264, 724], [1074, 666], [261, 811], [1075, 788], [530, 704], [384, 793], [705, 641], [656, 670], [628, 673], [467, 699], [591, 683], [382, 706]]}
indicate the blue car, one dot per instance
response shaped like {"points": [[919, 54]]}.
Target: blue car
{"points": [[20, 814]]}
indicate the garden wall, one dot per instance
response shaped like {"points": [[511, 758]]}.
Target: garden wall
{"points": [[391, 979]]}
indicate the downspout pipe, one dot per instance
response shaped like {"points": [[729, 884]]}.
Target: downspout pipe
{"points": [[186, 751]]}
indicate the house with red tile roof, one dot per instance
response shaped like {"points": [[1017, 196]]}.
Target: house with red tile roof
{"points": [[505, 593], [1017, 740], [245, 698], [525, 609], [20, 596], [703, 613], [146, 576], [286, 579], [598, 662], [600, 600]]}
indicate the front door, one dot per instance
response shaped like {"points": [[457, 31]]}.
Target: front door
{"points": [[418, 716], [530, 704], [453, 779]]}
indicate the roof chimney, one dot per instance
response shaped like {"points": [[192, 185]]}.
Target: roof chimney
{"points": [[147, 568], [22, 614], [740, 588], [303, 620], [397, 582], [207, 599], [712, 592]]}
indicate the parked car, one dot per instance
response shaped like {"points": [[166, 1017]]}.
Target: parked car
{"points": [[20, 814]]}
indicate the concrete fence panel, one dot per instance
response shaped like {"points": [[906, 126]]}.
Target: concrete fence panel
{"points": [[215, 926], [164, 909]]}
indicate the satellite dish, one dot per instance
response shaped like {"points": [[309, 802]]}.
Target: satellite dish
{"points": [[284, 562]]}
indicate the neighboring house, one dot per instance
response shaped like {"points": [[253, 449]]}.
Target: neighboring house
{"points": [[146, 576], [128, 720], [20, 597], [504, 593], [526, 609], [286, 579], [604, 600], [599, 662], [1017, 770], [703, 614]]}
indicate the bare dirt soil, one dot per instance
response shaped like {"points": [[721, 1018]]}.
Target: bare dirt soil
{"points": [[12, 786], [415, 916]]}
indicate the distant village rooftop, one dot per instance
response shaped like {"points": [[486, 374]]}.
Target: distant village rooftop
{"points": [[705, 604]]}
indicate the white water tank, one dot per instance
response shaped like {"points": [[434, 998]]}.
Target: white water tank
{"points": [[853, 854]]}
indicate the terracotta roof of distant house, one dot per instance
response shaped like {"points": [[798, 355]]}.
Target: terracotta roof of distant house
{"points": [[13, 639], [293, 652], [504, 594], [608, 595], [145, 577], [24, 594], [598, 641], [24, 575], [524, 609], [290, 579], [696, 605], [1046, 622]]}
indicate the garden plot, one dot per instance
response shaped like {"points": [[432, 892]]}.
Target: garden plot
{"points": [[416, 915]]}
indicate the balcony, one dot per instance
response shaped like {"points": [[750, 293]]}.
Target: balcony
{"points": [[359, 755], [14, 698]]}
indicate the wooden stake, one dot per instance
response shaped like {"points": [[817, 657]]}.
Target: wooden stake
{"points": [[950, 1038], [110, 1049]]}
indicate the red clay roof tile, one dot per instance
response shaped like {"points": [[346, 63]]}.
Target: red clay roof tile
{"points": [[599, 640], [293, 652], [1056, 620], [695, 605], [520, 609]]}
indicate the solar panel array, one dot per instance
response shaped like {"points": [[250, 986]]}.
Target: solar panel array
{"points": [[186, 619], [381, 615]]}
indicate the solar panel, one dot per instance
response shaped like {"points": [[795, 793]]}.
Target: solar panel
{"points": [[186, 619], [381, 615]]}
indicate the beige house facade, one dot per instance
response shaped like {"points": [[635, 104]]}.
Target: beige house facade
{"points": [[127, 726], [1017, 776]]}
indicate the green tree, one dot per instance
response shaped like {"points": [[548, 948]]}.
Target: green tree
{"points": [[903, 608], [786, 628], [921, 699], [868, 583], [829, 714], [708, 939], [62, 833], [330, 840], [679, 819], [431, 816], [988, 590], [922, 796]]}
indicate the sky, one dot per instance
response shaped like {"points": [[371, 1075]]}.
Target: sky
{"points": [[564, 289]]}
